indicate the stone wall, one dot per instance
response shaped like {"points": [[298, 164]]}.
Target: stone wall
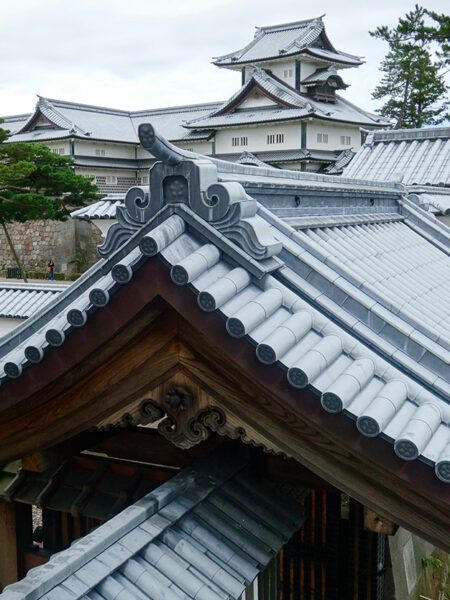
{"points": [[72, 245], [413, 577]]}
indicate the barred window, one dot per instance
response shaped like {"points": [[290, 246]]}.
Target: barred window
{"points": [[100, 152], [280, 138], [322, 138], [244, 141], [346, 140], [235, 141]]}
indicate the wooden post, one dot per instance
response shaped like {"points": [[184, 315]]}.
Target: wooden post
{"points": [[8, 544]]}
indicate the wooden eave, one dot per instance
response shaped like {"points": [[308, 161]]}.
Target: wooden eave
{"points": [[152, 330]]}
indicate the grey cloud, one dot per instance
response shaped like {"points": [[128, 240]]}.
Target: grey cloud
{"points": [[141, 53]]}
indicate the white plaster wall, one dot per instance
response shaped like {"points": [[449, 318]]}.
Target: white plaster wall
{"points": [[257, 138], [334, 132], [7, 324], [278, 69], [89, 148], [103, 225], [257, 101], [57, 144], [200, 147]]}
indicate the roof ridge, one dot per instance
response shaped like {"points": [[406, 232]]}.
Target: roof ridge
{"points": [[290, 25]]}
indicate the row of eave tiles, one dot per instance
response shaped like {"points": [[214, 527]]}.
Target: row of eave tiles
{"points": [[287, 331]]}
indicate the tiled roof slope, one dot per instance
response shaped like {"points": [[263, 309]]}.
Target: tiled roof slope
{"points": [[340, 163], [361, 324], [433, 199], [409, 156], [299, 106], [203, 535], [95, 122], [289, 39], [103, 209], [22, 300]]}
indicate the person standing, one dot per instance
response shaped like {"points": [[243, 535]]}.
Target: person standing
{"points": [[51, 270]]}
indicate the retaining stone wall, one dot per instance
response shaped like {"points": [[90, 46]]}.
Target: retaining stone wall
{"points": [[37, 241]]}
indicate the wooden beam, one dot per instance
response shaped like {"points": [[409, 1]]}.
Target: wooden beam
{"points": [[8, 544], [148, 446]]}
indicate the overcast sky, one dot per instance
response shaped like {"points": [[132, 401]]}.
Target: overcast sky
{"points": [[137, 54]]}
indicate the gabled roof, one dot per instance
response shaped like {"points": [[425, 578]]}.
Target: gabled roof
{"points": [[385, 311], [247, 158], [72, 119], [205, 534], [409, 156], [322, 76], [289, 39], [344, 321], [292, 105]]}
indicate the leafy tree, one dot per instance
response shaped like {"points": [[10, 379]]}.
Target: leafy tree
{"points": [[413, 70], [36, 183]]}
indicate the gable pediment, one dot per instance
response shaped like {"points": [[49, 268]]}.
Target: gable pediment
{"points": [[256, 98]]}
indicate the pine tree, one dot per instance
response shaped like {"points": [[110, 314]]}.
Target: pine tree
{"points": [[413, 83], [36, 183]]}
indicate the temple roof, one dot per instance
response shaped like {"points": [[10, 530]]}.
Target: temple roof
{"points": [[289, 39], [292, 104], [409, 156], [205, 534], [350, 302]]}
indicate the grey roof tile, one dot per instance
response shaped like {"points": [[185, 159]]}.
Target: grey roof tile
{"points": [[286, 40], [410, 156], [199, 551]]}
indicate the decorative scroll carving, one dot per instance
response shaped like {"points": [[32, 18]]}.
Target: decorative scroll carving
{"points": [[185, 178], [186, 417], [146, 412]]}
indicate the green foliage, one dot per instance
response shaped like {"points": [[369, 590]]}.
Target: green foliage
{"points": [[432, 561], [36, 183], [413, 83]]}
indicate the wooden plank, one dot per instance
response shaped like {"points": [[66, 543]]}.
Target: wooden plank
{"points": [[8, 544]]}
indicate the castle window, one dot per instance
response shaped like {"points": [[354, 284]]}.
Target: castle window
{"points": [[322, 138], [58, 150], [346, 140], [144, 179], [235, 141], [273, 138], [111, 180], [100, 152], [288, 73], [244, 141]]}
